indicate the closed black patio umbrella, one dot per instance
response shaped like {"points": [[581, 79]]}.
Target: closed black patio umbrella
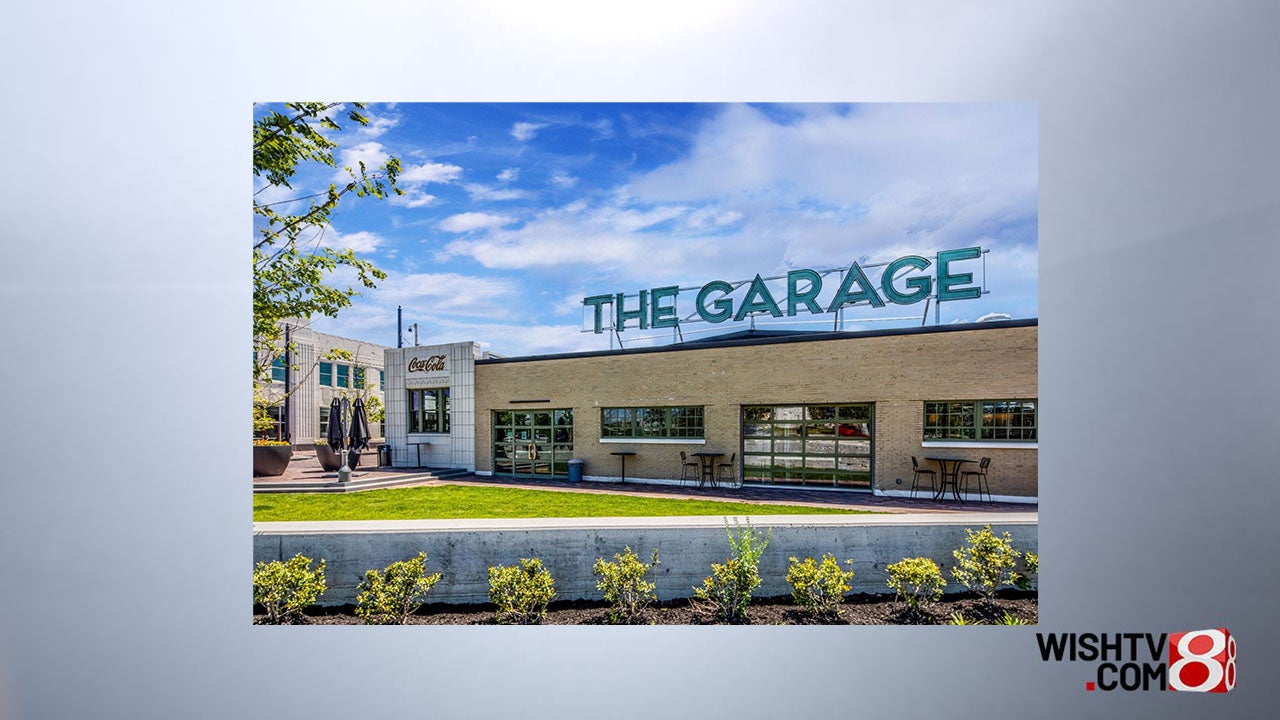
{"points": [[359, 430], [337, 431]]}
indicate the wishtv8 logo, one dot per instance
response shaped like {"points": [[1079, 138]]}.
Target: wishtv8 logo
{"points": [[1196, 661]]}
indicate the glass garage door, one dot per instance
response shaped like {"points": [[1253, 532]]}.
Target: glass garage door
{"points": [[828, 445], [532, 443]]}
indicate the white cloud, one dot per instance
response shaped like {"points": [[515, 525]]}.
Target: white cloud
{"points": [[710, 218], [378, 125], [516, 339], [361, 243], [835, 157], [508, 175], [524, 131], [631, 220], [413, 198], [469, 221], [611, 241], [484, 192], [414, 177], [447, 293], [430, 172], [372, 154], [603, 127], [563, 180]]}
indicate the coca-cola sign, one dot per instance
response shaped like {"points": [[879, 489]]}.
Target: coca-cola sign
{"points": [[434, 363]]}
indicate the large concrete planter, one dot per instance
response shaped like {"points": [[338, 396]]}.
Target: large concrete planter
{"points": [[331, 461], [271, 460]]}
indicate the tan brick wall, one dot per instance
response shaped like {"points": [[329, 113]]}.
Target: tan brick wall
{"points": [[898, 373]]}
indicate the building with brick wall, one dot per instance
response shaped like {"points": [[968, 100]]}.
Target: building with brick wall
{"points": [[840, 410]]}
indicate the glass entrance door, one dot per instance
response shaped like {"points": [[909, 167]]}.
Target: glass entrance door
{"points": [[532, 443]]}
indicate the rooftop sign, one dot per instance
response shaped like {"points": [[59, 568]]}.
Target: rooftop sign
{"points": [[656, 308]]}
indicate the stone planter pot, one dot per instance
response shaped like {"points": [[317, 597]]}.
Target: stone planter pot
{"points": [[271, 460], [331, 461]]}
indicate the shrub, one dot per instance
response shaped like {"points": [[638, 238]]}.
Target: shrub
{"points": [[819, 587], [1029, 579], [624, 586], [1010, 619], [958, 618], [390, 596], [727, 592], [916, 581], [986, 563], [521, 592], [283, 589]]}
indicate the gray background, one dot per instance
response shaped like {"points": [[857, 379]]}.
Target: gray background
{"points": [[124, 587]]}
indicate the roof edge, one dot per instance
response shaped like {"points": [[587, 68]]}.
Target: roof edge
{"points": [[808, 337]]}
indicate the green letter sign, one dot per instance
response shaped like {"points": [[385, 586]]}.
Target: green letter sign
{"points": [[658, 306]]}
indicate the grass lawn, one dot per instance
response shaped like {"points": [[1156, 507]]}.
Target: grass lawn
{"points": [[463, 501]]}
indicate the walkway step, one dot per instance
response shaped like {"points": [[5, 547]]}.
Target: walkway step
{"points": [[356, 483]]}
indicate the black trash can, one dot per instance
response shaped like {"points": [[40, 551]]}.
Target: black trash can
{"points": [[575, 469], [384, 455]]}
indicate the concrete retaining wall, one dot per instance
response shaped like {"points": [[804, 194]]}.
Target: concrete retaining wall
{"points": [[464, 550]]}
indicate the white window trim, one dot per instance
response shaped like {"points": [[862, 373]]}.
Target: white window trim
{"points": [[993, 444], [655, 441]]}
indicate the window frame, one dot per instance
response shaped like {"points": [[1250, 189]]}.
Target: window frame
{"points": [[279, 424], [416, 411], [970, 425], [795, 432], [654, 424], [278, 368]]}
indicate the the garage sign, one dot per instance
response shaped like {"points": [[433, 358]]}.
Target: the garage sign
{"points": [[904, 281]]}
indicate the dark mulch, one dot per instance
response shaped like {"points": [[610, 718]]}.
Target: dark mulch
{"points": [[781, 610]]}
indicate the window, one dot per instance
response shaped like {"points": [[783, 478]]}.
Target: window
{"points": [[343, 376], [326, 374], [981, 420], [277, 370], [429, 411], [278, 425], [808, 444], [662, 422], [358, 374]]}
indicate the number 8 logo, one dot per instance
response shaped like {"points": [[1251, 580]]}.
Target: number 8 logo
{"points": [[1202, 661]]}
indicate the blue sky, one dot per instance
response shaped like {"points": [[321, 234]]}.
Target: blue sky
{"points": [[514, 213]]}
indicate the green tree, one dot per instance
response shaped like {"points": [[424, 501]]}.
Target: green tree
{"points": [[290, 267]]}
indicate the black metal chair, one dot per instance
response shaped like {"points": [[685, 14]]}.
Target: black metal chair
{"points": [[728, 471], [980, 475], [915, 479], [689, 466]]}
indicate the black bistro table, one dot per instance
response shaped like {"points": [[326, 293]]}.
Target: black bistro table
{"points": [[624, 454], [708, 460], [953, 473]]}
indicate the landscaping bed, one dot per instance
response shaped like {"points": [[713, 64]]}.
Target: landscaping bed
{"points": [[862, 609]]}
